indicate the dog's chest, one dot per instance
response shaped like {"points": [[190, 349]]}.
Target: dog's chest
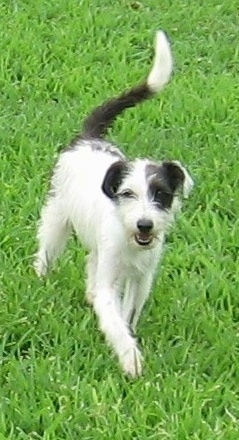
{"points": [[138, 262]]}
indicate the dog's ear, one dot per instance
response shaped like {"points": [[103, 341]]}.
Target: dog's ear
{"points": [[113, 178], [178, 177]]}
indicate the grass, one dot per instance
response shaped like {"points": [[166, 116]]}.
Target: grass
{"points": [[58, 380]]}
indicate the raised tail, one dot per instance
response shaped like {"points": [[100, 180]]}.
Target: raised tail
{"points": [[97, 123]]}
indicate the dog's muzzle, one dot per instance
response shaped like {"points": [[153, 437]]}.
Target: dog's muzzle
{"points": [[144, 236]]}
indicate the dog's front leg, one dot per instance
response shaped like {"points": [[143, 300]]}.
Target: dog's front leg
{"points": [[141, 294], [128, 304], [106, 305], [91, 268], [136, 293]]}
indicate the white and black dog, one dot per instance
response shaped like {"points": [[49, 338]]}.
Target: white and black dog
{"points": [[120, 210]]}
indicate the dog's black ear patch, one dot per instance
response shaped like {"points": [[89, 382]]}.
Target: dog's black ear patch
{"points": [[113, 178], [173, 174]]}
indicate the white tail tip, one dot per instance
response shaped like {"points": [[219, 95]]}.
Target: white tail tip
{"points": [[163, 64]]}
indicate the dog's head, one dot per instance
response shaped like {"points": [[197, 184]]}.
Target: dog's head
{"points": [[147, 195]]}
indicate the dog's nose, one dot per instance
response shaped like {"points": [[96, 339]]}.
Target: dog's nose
{"points": [[145, 225]]}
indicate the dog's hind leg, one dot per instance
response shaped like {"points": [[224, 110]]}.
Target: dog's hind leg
{"points": [[53, 232]]}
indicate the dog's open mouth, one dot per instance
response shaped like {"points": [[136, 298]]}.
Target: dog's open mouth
{"points": [[143, 238]]}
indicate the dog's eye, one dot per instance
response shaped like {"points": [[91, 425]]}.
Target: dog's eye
{"points": [[128, 194], [163, 199]]}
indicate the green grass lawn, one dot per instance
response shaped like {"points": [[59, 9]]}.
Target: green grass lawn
{"points": [[58, 379]]}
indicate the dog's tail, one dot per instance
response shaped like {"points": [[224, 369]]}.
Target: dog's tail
{"points": [[97, 123]]}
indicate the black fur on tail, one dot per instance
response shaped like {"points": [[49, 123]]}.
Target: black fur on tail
{"points": [[98, 122]]}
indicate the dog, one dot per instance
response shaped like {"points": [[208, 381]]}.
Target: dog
{"points": [[120, 210]]}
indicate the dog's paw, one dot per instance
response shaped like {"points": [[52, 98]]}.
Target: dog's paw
{"points": [[89, 297], [131, 362], [40, 267]]}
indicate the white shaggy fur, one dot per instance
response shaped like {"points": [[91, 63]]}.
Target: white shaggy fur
{"points": [[121, 258], [163, 63]]}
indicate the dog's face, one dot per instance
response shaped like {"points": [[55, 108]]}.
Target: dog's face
{"points": [[146, 195]]}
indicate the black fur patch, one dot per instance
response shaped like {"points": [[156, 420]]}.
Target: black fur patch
{"points": [[113, 178], [164, 180], [173, 174], [98, 122]]}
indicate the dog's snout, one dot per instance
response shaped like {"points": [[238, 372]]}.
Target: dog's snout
{"points": [[145, 225]]}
